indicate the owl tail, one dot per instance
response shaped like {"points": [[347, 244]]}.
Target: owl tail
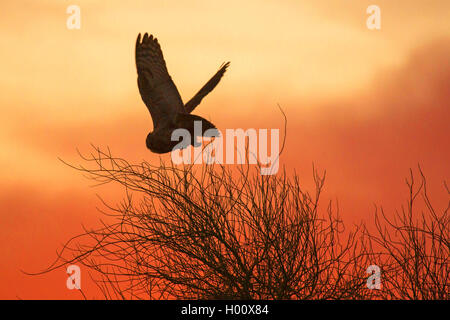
{"points": [[197, 127]]}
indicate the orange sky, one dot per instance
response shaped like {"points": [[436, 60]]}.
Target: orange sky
{"points": [[366, 105]]}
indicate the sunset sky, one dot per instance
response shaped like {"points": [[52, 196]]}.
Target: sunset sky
{"points": [[364, 105]]}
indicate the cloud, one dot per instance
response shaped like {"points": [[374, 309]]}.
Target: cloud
{"points": [[368, 141]]}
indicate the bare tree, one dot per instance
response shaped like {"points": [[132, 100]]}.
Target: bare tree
{"points": [[413, 247], [216, 232]]}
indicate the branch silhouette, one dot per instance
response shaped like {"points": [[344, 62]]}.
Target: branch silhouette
{"points": [[221, 232], [215, 232]]}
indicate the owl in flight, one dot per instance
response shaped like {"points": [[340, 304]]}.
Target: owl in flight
{"points": [[162, 99]]}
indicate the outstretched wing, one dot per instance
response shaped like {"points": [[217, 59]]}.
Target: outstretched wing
{"points": [[156, 87], [207, 88]]}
